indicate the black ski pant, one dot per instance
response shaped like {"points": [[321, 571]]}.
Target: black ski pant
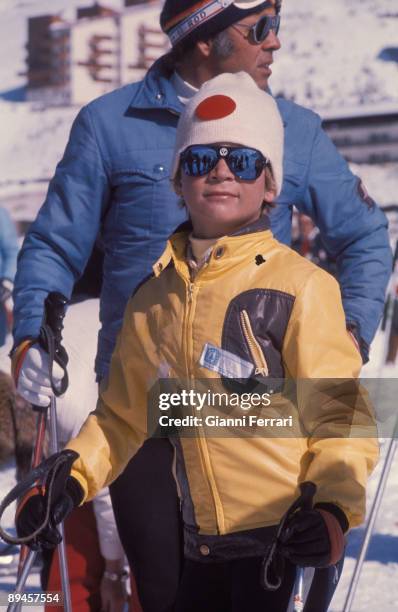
{"points": [[146, 507], [234, 586], [231, 586], [147, 514], [323, 587]]}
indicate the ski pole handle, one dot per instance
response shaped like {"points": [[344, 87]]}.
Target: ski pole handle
{"points": [[308, 490], [53, 321], [50, 338]]}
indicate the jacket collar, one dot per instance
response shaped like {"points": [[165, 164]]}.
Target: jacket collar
{"points": [[156, 90], [176, 245], [262, 224]]}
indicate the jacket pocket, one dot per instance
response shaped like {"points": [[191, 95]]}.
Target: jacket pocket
{"points": [[254, 329], [135, 178], [141, 195], [157, 172]]}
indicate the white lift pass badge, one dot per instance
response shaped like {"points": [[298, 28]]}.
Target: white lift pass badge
{"points": [[225, 363]]}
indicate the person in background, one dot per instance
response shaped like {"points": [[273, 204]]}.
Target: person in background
{"points": [[114, 180], [308, 243], [9, 248]]}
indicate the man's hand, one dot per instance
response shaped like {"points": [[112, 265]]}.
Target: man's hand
{"points": [[313, 538], [66, 494], [33, 379], [114, 592]]}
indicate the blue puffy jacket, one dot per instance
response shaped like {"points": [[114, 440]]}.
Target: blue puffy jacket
{"points": [[114, 180], [9, 246]]}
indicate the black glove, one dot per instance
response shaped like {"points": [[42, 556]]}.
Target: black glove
{"points": [[307, 536], [314, 537], [62, 494]]}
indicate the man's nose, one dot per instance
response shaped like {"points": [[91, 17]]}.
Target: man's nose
{"points": [[271, 41], [221, 172]]}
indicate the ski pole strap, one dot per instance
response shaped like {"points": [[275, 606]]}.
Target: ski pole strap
{"points": [[50, 337], [17, 357], [43, 476], [273, 565], [271, 577]]}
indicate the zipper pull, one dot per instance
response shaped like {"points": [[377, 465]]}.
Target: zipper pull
{"points": [[190, 292], [261, 372]]}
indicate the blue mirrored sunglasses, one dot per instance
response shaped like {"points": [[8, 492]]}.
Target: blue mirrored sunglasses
{"points": [[260, 30], [244, 162]]}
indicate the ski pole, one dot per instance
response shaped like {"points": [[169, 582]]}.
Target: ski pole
{"points": [[36, 459], [63, 563], [26, 557], [370, 524], [272, 580], [50, 475], [298, 591], [386, 326], [23, 575], [308, 490], [50, 340]]}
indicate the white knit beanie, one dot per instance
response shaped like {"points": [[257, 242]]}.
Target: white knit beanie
{"points": [[231, 108]]}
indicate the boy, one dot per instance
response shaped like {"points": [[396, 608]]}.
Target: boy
{"points": [[230, 305]]}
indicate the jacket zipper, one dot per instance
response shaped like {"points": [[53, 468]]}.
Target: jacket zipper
{"points": [[174, 472], [201, 439], [189, 316], [254, 347]]}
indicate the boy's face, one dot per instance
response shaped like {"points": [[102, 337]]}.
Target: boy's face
{"points": [[219, 203]]}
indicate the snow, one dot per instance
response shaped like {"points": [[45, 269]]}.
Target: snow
{"points": [[381, 181], [329, 55], [35, 140]]}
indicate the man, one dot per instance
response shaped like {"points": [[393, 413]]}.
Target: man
{"points": [[114, 179]]}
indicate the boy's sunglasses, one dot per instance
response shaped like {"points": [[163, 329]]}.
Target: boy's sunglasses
{"points": [[260, 30], [244, 162]]}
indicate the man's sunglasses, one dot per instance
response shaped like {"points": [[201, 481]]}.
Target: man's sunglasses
{"points": [[244, 162], [260, 30]]}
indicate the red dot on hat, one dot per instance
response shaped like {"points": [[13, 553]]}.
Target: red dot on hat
{"points": [[215, 107]]}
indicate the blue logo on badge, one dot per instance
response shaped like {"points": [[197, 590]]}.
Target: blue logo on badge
{"points": [[212, 356]]}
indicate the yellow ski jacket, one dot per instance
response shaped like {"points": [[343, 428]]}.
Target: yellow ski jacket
{"points": [[256, 311]]}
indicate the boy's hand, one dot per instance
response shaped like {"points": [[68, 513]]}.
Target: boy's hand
{"points": [[313, 538], [31, 510]]}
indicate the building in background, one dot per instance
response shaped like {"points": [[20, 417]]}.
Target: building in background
{"points": [[365, 134], [72, 62], [48, 59]]}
